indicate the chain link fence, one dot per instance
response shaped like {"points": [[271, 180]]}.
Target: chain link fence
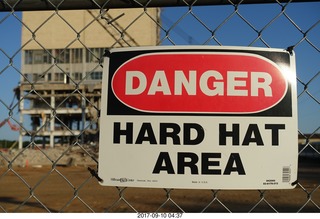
{"points": [[36, 176]]}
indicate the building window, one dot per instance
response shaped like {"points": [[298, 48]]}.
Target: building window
{"points": [[94, 54], [95, 75], [37, 57], [76, 55], [59, 77], [49, 77], [69, 55], [77, 76], [62, 55], [28, 57]]}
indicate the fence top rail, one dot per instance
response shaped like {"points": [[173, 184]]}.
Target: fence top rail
{"points": [[37, 5]]}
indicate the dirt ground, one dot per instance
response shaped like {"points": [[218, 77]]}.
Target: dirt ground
{"points": [[73, 189]]}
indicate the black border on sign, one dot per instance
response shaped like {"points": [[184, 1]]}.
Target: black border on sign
{"points": [[116, 107]]}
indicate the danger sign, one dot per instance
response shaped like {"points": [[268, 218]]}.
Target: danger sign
{"points": [[199, 117]]}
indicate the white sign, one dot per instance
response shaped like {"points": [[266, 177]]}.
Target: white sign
{"points": [[199, 117]]}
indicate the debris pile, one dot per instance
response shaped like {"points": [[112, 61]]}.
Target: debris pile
{"points": [[58, 156]]}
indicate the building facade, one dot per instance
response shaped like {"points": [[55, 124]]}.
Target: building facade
{"points": [[62, 68]]}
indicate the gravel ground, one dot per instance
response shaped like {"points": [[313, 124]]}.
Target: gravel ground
{"points": [[31, 184]]}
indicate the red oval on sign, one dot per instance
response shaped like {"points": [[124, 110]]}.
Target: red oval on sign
{"points": [[199, 83]]}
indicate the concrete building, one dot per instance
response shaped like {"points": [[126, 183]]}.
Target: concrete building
{"points": [[61, 66]]}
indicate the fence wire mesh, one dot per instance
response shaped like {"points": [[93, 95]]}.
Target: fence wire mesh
{"points": [[39, 173]]}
